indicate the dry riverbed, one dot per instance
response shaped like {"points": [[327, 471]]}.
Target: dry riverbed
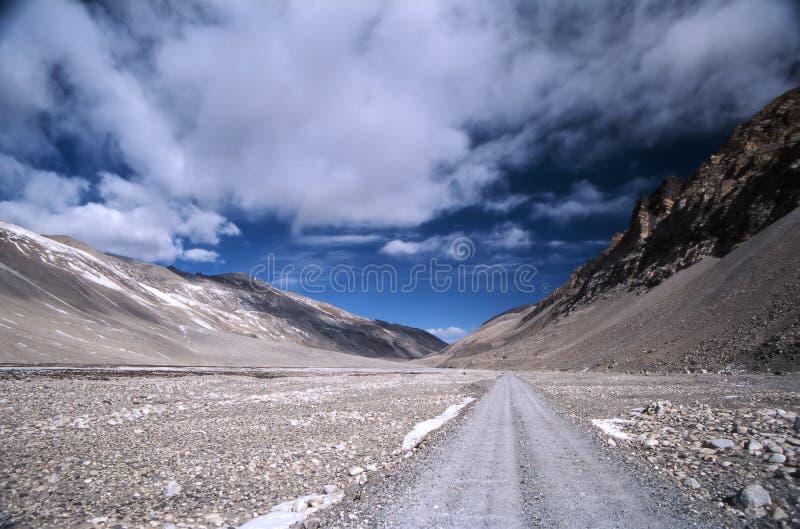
{"points": [[714, 435], [124, 450]]}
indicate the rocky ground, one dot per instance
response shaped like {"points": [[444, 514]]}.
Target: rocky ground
{"points": [[98, 449], [730, 441]]}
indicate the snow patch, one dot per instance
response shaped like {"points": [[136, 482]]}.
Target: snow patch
{"points": [[420, 430], [94, 277], [611, 427], [165, 298], [55, 309], [286, 514]]}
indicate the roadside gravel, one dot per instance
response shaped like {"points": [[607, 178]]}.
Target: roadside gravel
{"points": [[151, 450], [712, 435]]}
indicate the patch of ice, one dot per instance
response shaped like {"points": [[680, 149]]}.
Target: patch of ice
{"points": [[286, 514], [611, 427], [420, 430]]}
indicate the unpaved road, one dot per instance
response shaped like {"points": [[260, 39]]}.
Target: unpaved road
{"points": [[514, 463]]}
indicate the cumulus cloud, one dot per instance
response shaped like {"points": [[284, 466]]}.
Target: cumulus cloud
{"points": [[508, 236], [114, 215], [448, 334], [200, 255], [362, 114], [586, 199]]}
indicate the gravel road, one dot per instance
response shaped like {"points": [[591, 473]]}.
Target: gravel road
{"points": [[515, 463]]}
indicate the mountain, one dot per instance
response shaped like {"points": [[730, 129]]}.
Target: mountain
{"points": [[61, 301], [707, 275]]}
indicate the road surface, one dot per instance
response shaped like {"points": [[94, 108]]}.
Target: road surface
{"points": [[514, 463]]}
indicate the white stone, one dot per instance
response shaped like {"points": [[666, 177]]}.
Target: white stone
{"points": [[754, 446], [173, 489]]}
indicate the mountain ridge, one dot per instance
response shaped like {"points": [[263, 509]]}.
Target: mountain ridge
{"points": [[167, 314]]}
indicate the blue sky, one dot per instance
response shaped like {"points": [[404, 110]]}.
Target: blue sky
{"points": [[211, 135]]}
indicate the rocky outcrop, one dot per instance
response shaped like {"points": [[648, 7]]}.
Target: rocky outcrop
{"points": [[751, 182]]}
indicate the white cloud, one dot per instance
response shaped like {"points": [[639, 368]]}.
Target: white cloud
{"points": [[448, 334], [508, 236], [125, 219], [585, 199], [356, 114], [400, 248], [200, 255]]}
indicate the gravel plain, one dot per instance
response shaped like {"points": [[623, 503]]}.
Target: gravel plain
{"points": [[200, 450]]}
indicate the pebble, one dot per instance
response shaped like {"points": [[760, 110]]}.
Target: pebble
{"points": [[753, 495], [692, 483], [215, 518], [173, 489], [779, 514], [777, 458], [720, 444]]}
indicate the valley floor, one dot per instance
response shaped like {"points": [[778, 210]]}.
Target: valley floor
{"points": [[216, 448]]}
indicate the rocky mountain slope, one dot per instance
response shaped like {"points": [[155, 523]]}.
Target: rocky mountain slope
{"points": [[61, 301], [733, 284]]}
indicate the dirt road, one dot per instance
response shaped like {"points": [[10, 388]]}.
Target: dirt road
{"points": [[515, 463]]}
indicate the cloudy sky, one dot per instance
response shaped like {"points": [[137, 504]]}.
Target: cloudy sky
{"points": [[212, 134]]}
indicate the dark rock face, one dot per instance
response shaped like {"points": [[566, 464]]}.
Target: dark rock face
{"points": [[751, 182]]}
